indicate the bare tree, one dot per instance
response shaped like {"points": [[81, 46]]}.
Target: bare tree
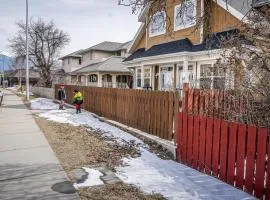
{"points": [[45, 43], [154, 6], [247, 56]]}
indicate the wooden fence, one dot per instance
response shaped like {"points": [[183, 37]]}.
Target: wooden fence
{"points": [[152, 112], [234, 152]]}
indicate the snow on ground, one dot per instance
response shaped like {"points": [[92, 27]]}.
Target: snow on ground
{"points": [[43, 104], [93, 178], [148, 172]]}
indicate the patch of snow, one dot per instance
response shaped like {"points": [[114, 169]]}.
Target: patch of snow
{"points": [[14, 88], [148, 172], [93, 178], [43, 104]]}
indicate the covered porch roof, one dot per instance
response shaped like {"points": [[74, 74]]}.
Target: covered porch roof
{"points": [[113, 64], [213, 42]]}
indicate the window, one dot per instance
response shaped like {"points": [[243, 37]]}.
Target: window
{"points": [[166, 78], [68, 60], [190, 76], [139, 78], [80, 61], [118, 53], [212, 77], [185, 15], [93, 78], [147, 77], [158, 24]]}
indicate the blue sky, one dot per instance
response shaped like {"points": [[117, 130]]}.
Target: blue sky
{"points": [[88, 22]]}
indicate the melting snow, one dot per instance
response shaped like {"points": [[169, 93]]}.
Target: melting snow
{"points": [[93, 178], [148, 172]]}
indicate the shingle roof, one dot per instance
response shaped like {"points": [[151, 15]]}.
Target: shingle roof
{"points": [[183, 45], [112, 64], [105, 46], [73, 54], [124, 45]]}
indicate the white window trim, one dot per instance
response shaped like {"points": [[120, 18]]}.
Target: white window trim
{"points": [[160, 79], [183, 26], [161, 32], [150, 77], [212, 76], [141, 68]]}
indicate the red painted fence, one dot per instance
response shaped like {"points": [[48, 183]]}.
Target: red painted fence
{"points": [[236, 153]]}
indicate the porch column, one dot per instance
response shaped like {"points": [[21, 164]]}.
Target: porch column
{"points": [[185, 70], [142, 78], [175, 74], [99, 80], [114, 82], [153, 77]]}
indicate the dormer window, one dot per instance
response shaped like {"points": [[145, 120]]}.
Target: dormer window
{"points": [[185, 15], [157, 25], [80, 61]]}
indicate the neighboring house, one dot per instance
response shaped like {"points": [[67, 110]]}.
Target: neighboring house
{"points": [[165, 61], [95, 54], [110, 72], [16, 76]]}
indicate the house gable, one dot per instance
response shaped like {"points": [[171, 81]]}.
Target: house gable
{"points": [[221, 20]]}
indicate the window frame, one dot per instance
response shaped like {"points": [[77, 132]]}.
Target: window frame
{"points": [[167, 67], [212, 76], [139, 68], [148, 77], [184, 26], [150, 25], [90, 80]]}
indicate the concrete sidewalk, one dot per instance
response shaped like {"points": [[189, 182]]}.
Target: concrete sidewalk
{"points": [[28, 166]]}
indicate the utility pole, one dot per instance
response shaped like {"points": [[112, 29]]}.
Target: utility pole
{"points": [[27, 55]]}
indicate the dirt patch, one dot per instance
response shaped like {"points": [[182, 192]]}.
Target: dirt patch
{"points": [[116, 192], [76, 147]]}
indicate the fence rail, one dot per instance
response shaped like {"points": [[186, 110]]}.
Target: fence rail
{"points": [[152, 112]]}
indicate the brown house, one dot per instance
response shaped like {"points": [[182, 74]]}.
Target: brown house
{"points": [[165, 55]]}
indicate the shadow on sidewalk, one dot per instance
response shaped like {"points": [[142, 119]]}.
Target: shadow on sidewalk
{"points": [[34, 181], [16, 106]]}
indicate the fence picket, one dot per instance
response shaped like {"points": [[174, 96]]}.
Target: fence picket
{"points": [[196, 138], [180, 136], [185, 133], [241, 146], [190, 140], [202, 142], [209, 145], [250, 160], [232, 153], [216, 144], [267, 192], [223, 150], [260, 162]]}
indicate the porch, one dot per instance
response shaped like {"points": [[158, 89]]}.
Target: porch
{"points": [[166, 75], [107, 80]]}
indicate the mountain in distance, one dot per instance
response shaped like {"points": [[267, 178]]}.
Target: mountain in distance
{"points": [[5, 61]]}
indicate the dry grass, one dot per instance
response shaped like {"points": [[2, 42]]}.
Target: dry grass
{"points": [[76, 147], [118, 191]]}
